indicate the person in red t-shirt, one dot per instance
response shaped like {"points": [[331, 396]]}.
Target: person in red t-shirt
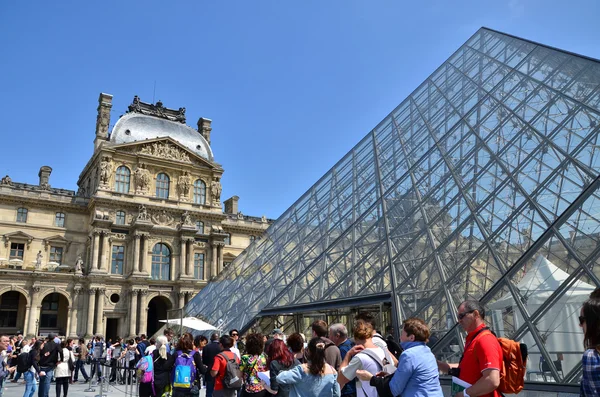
{"points": [[218, 368], [482, 358]]}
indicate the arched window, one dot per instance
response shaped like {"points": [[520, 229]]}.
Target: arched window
{"points": [[59, 219], [161, 262], [122, 178], [162, 186], [120, 217], [22, 215], [199, 192]]}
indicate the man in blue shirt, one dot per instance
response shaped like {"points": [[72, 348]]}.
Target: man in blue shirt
{"points": [[338, 333], [417, 374]]}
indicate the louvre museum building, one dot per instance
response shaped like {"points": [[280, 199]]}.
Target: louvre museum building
{"points": [[484, 183], [142, 235]]}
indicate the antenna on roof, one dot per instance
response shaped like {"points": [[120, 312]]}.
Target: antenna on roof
{"points": [[154, 91]]}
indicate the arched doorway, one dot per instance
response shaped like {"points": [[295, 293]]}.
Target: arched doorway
{"points": [[157, 310], [54, 314], [12, 313]]}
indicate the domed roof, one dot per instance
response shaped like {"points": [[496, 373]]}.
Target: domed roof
{"points": [[135, 127]]}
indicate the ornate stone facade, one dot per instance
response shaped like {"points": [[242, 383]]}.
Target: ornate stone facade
{"points": [[144, 232]]}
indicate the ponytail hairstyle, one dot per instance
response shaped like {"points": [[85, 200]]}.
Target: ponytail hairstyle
{"points": [[316, 356], [161, 346]]}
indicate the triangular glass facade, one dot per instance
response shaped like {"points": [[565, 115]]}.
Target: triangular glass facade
{"points": [[482, 184]]}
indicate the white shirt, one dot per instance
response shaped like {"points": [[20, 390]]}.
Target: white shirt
{"points": [[150, 349], [363, 361]]}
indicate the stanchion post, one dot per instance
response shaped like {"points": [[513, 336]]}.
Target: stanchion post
{"points": [[90, 388]]}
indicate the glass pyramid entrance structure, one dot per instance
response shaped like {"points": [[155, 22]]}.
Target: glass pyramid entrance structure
{"points": [[482, 184]]}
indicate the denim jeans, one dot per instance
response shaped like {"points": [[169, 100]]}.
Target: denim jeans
{"points": [[80, 366], [30, 385], [210, 386], [44, 388]]}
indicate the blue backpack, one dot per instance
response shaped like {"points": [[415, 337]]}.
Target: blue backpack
{"points": [[184, 371]]}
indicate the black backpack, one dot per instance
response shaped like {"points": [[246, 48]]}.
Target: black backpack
{"points": [[232, 380], [23, 362]]}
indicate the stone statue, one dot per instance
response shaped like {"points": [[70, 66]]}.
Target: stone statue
{"points": [[79, 265], [183, 184], [141, 178], [186, 219], [142, 213], [216, 188], [263, 219], [38, 260], [240, 215], [6, 181], [105, 171]]}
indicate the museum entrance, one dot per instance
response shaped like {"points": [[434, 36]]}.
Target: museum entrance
{"points": [[157, 310], [112, 329]]}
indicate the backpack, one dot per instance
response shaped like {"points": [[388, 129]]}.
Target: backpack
{"points": [[184, 371], [145, 369], [514, 359], [23, 363], [232, 380]]}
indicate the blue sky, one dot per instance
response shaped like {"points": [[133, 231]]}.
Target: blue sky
{"points": [[290, 86]]}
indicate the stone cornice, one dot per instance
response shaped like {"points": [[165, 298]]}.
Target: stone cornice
{"points": [[45, 200]]}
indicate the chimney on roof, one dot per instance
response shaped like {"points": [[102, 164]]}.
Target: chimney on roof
{"points": [[231, 205], [204, 128], [44, 176], [103, 119]]}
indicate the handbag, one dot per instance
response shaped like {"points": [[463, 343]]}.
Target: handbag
{"points": [[70, 362]]}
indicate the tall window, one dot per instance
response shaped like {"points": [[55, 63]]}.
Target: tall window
{"points": [[9, 308], [16, 251], [200, 227], [120, 217], [49, 316], [228, 239], [162, 186], [199, 266], [161, 262], [122, 178], [118, 259], [59, 219], [56, 254], [199, 192], [22, 215]]}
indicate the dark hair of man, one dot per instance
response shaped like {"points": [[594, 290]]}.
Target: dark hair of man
{"points": [[319, 327], [226, 341], [418, 328], [214, 336], [367, 318], [82, 341], [186, 342], [169, 332], [152, 341], [595, 294], [278, 351], [295, 342], [472, 305], [143, 336], [131, 342], [255, 344], [591, 313], [138, 339], [316, 356], [232, 331]]}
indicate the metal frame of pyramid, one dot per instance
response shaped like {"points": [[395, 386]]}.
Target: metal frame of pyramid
{"points": [[491, 163]]}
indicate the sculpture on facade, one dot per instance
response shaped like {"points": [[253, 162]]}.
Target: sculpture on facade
{"points": [[38, 260], [105, 170], [79, 265], [216, 188], [183, 184], [186, 219], [263, 219], [141, 179], [143, 213], [165, 150], [6, 180]]}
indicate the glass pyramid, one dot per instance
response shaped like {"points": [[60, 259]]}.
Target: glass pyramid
{"points": [[482, 184]]}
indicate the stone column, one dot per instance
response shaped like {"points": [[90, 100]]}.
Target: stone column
{"points": [[143, 268], [133, 312], [100, 313], [33, 311], [143, 312], [95, 248], [183, 258], [72, 329], [91, 310], [213, 260], [102, 266], [181, 296], [189, 271], [136, 253]]}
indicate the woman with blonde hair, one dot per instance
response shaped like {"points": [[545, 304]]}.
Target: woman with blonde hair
{"points": [[313, 379], [163, 365]]}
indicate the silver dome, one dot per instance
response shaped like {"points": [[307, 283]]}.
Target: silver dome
{"points": [[133, 127]]}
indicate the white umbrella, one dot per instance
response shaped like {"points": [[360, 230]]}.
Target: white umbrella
{"points": [[191, 322]]}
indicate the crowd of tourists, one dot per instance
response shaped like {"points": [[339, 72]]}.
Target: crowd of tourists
{"points": [[333, 362]]}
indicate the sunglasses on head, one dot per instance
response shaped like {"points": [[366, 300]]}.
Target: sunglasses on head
{"points": [[462, 315], [581, 320]]}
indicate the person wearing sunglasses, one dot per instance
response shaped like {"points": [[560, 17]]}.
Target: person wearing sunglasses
{"points": [[589, 320], [482, 358]]}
